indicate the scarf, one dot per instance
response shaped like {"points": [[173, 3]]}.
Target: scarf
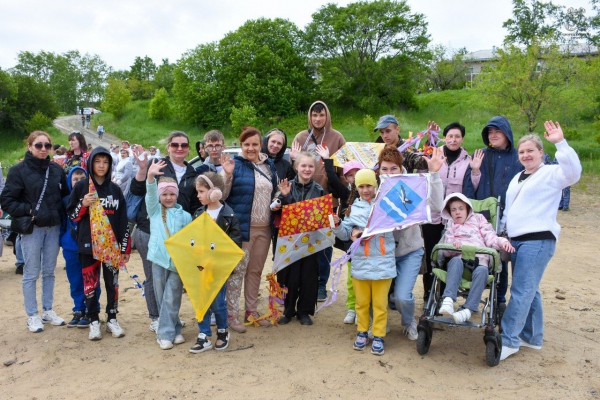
{"points": [[105, 247]]}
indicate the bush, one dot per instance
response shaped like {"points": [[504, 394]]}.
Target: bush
{"points": [[159, 106], [241, 117], [572, 134], [38, 122], [116, 97]]}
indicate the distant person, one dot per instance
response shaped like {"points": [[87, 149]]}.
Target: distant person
{"points": [[115, 153], [123, 172], [320, 132], [100, 131], [82, 119], [90, 147], [154, 152], [88, 119], [200, 150]]}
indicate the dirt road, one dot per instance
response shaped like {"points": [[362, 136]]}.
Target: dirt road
{"points": [[73, 123]]}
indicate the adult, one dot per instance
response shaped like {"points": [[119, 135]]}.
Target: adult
{"points": [[274, 145], [178, 148], [115, 153], [250, 185], [409, 242], [200, 150], [532, 202], [389, 133], [78, 154], [127, 146], [320, 132], [154, 152], [452, 174], [500, 164], [35, 188], [123, 172]]}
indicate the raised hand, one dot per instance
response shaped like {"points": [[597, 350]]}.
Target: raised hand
{"points": [[137, 152], [228, 164], [296, 149], [323, 152], [155, 169], [437, 159], [285, 187], [432, 127], [554, 133], [476, 160]]}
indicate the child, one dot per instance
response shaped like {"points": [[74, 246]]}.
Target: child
{"points": [[467, 228], [210, 188], [106, 207], [166, 218], [68, 242], [303, 275], [373, 264], [214, 146], [100, 131]]}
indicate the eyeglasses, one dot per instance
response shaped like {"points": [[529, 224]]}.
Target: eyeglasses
{"points": [[211, 147], [40, 145], [179, 145]]}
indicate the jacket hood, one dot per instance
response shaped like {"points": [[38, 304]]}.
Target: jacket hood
{"points": [[446, 214], [90, 162], [71, 173], [502, 124], [327, 126], [265, 149]]}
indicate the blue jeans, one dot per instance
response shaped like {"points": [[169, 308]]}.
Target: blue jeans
{"points": [[40, 251], [219, 308], [407, 269], [19, 252], [565, 198], [524, 317], [479, 277], [168, 290], [324, 261]]}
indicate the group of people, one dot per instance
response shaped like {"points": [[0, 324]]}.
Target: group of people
{"points": [[238, 193]]}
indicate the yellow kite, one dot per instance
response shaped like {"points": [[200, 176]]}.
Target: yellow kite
{"points": [[204, 257]]}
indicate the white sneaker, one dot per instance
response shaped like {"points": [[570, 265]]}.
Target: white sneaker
{"points": [[203, 343], [350, 317], [411, 331], [164, 344], [50, 317], [34, 323], [506, 352], [95, 333], [213, 319], [179, 339], [113, 327], [461, 316], [154, 325], [447, 306], [531, 346], [182, 322]]}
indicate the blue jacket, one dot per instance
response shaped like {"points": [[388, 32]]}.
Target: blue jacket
{"points": [[498, 168], [241, 197], [177, 218], [375, 259], [68, 228]]}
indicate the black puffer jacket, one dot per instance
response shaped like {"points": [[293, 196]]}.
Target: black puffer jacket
{"points": [[282, 166], [300, 191], [188, 196], [24, 185]]}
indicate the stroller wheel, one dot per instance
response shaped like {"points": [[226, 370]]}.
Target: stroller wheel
{"points": [[492, 353], [423, 342]]}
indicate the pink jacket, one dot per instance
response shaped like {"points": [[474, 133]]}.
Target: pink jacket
{"points": [[476, 231]]}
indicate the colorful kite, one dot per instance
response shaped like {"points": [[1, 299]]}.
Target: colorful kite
{"points": [[365, 153], [204, 257]]}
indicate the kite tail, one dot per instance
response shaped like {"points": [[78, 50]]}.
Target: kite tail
{"points": [[337, 272], [276, 297]]}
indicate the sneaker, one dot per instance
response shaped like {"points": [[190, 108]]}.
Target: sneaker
{"points": [[213, 319], [84, 322], [19, 270], [305, 320], [377, 346], [164, 344], [283, 320], [461, 316], [153, 325], [34, 323], [507, 352], [222, 339], [235, 325], [179, 339], [350, 317], [113, 327], [531, 346], [50, 317], [322, 295], [447, 306], [202, 344], [411, 331], [77, 315], [182, 322], [263, 322], [362, 339], [95, 333]]}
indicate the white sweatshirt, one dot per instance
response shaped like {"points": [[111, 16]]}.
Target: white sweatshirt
{"points": [[532, 205]]}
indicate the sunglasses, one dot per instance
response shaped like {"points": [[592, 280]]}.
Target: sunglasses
{"points": [[40, 146], [179, 145]]}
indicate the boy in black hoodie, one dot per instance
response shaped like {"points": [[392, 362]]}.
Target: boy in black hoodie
{"points": [[115, 210]]}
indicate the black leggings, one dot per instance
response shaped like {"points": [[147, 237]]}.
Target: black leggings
{"points": [[432, 233]]}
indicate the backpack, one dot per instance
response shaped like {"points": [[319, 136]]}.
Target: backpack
{"points": [[134, 204]]}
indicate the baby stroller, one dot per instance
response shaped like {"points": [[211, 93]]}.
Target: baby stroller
{"points": [[490, 317]]}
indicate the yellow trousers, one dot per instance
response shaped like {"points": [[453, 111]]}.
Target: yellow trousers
{"points": [[373, 293]]}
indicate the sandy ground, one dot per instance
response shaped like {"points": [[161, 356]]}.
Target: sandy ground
{"points": [[295, 361]]}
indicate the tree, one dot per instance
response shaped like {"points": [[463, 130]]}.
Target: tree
{"points": [[93, 75], [363, 48], [585, 27], [140, 79], [159, 105], [525, 82], [533, 19], [164, 77], [116, 98], [447, 72]]}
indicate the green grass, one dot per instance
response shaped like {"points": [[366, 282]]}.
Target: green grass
{"points": [[14, 146]]}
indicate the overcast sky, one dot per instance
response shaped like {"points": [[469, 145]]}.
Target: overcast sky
{"points": [[118, 30]]}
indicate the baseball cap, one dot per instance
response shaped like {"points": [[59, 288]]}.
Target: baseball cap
{"points": [[385, 121]]}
